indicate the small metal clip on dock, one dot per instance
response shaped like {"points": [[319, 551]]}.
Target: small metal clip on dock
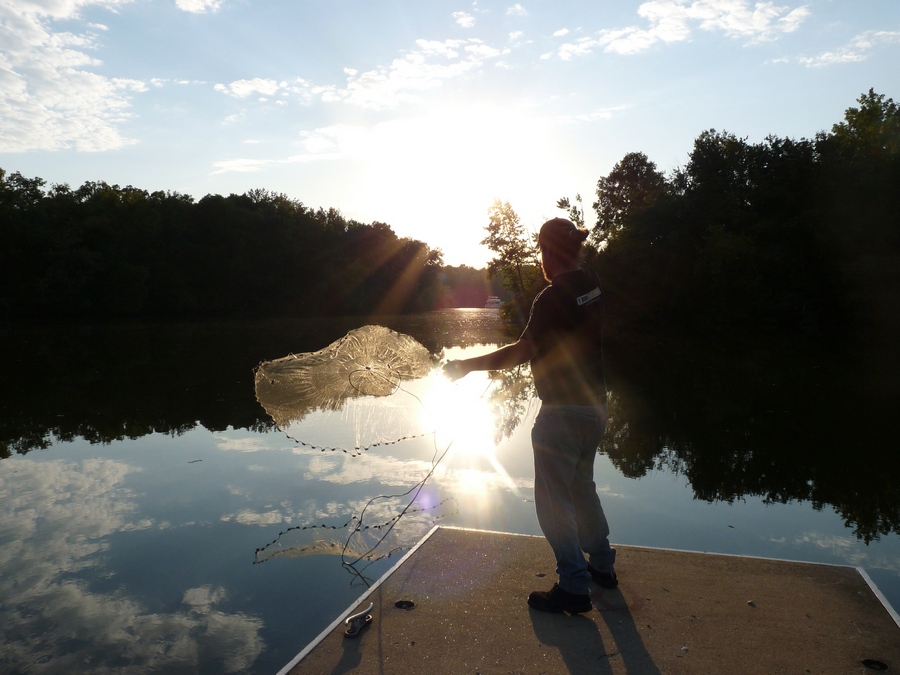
{"points": [[357, 622]]}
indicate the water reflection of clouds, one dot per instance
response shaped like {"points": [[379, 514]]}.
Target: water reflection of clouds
{"points": [[607, 491], [307, 512], [374, 540], [55, 525], [346, 470], [64, 510], [250, 517], [392, 471], [848, 549], [244, 444]]}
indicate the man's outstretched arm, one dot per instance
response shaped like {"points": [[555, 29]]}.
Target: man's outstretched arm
{"points": [[505, 357]]}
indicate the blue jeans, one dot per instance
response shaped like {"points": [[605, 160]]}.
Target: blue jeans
{"points": [[565, 440]]}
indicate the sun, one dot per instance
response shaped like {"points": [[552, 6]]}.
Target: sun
{"points": [[435, 175], [464, 424], [460, 414]]}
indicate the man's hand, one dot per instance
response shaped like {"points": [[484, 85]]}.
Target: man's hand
{"points": [[455, 370]]}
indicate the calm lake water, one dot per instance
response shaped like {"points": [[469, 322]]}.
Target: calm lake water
{"points": [[154, 518]]}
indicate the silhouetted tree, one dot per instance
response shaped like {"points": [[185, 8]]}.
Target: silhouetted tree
{"points": [[515, 258], [103, 251], [633, 185], [796, 233], [574, 209]]}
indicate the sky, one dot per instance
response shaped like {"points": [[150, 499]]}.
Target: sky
{"points": [[418, 113]]}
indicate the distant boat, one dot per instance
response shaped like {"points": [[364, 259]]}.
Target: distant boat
{"points": [[493, 302]]}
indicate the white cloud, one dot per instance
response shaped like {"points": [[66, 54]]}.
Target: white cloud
{"points": [[580, 47], [674, 20], [404, 80], [244, 88], [858, 49], [407, 77], [264, 89], [561, 32], [464, 19], [49, 100], [483, 51], [57, 518], [198, 6], [448, 48], [516, 10]]}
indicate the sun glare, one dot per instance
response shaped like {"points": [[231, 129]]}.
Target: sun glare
{"points": [[459, 414], [434, 176], [464, 424]]}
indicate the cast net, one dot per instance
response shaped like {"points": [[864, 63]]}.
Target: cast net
{"points": [[323, 399], [360, 392]]}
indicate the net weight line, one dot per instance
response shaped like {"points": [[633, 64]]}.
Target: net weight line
{"points": [[358, 522], [367, 375], [359, 449], [297, 550]]}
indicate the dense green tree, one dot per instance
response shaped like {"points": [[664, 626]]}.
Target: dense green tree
{"points": [[859, 212], [506, 238], [871, 129], [633, 185], [802, 234], [104, 251]]}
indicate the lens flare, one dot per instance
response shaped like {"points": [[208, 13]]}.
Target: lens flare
{"points": [[460, 414]]}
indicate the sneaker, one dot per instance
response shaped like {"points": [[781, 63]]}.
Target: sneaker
{"points": [[557, 600], [605, 579]]}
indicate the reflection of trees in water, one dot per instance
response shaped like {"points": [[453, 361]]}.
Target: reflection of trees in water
{"points": [[108, 383], [779, 420], [510, 399], [786, 421]]}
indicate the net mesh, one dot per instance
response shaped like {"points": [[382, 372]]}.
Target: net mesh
{"points": [[367, 361], [341, 398]]}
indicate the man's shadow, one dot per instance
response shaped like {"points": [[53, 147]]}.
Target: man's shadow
{"points": [[581, 645], [576, 638]]}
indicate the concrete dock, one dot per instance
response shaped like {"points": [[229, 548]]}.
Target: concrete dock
{"points": [[674, 612]]}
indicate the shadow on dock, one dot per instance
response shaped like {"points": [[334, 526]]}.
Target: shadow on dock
{"points": [[674, 612]]}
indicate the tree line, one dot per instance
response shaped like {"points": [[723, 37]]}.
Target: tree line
{"points": [[102, 251], [795, 235], [792, 234], [782, 232]]}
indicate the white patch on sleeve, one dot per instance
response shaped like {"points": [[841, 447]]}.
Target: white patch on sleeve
{"points": [[588, 297]]}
